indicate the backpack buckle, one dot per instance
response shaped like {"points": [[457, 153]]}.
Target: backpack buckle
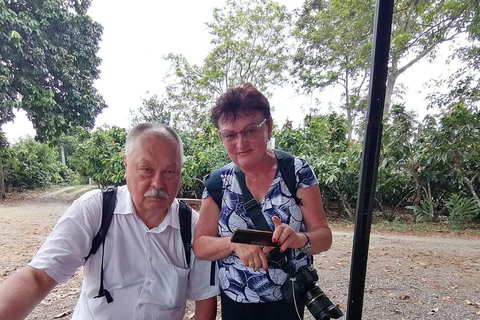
{"points": [[250, 205]]}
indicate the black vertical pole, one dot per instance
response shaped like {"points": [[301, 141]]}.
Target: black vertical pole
{"points": [[370, 156]]}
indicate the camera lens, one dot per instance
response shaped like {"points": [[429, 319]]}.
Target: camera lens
{"points": [[320, 306]]}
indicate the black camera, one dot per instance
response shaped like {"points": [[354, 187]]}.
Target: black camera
{"points": [[301, 286]]}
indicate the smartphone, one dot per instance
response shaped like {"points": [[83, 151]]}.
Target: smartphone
{"points": [[257, 237]]}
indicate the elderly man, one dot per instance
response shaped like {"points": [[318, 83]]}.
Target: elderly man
{"points": [[144, 265]]}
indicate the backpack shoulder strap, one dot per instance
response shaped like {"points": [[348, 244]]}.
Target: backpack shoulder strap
{"points": [[214, 184], [185, 215], [109, 194], [286, 165], [251, 205]]}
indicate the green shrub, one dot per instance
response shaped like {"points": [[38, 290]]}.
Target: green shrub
{"points": [[462, 210], [423, 212], [30, 164]]}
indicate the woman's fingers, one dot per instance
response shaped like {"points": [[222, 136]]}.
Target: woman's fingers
{"points": [[285, 236], [252, 256]]}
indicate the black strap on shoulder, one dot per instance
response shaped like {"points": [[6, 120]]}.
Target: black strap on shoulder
{"points": [[185, 214], [250, 204], [214, 184], [109, 194], [109, 201], [286, 165]]}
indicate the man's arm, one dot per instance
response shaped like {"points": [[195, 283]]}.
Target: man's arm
{"points": [[206, 309], [22, 291]]}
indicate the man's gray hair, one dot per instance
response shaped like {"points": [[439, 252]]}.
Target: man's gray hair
{"points": [[157, 129]]}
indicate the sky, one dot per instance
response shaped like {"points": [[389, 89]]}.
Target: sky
{"points": [[138, 34]]}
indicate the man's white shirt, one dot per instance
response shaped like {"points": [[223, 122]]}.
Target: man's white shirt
{"points": [[144, 269]]}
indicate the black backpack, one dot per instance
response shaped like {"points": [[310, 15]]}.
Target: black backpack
{"points": [[109, 201], [286, 164]]}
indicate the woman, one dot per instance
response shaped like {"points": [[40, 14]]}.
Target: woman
{"points": [[251, 285]]}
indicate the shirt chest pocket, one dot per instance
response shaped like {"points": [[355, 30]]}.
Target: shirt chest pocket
{"points": [[170, 286]]}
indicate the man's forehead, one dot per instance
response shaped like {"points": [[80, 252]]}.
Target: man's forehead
{"points": [[171, 164]]}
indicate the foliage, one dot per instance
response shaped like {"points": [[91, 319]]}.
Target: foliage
{"points": [[397, 171], [203, 153], [30, 164], [423, 212], [335, 49], [454, 149], [336, 43], [249, 45], [48, 64], [70, 142], [462, 210], [323, 143], [152, 110], [100, 156]]}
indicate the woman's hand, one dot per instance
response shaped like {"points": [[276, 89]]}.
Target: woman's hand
{"points": [[251, 255], [286, 237]]}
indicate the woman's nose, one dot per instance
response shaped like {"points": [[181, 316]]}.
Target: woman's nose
{"points": [[241, 139]]}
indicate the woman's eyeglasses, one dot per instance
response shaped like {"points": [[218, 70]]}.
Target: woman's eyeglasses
{"points": [[249, 133]]}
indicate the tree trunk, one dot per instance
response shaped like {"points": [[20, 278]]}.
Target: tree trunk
{"points": [[346, 206], [3, 194], [348, 108], [62, 152], [472, 189], [388, 94]]}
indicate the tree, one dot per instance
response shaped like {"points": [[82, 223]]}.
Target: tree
{"points": [[100, 156], [152, 110], [335, 49], [398, 171], [456, 145], [48, 64], [336, 38], [322, 141], [419, 27], [31, 164], [203, 153], [249, 45]]}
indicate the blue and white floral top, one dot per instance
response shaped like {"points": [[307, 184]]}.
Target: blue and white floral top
{"points": [[241, 283]]}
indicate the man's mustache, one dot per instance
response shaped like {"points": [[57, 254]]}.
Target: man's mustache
{"points": [[160, 193]]}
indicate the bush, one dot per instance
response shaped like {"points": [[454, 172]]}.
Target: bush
{"points": [[462, 210], [30, 164]]}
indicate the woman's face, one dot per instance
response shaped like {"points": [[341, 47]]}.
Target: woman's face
{"points": [[245, 139]]}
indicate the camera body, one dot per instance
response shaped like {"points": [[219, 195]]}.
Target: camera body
{"points": [[301, 286]]}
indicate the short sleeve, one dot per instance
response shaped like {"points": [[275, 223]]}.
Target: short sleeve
{"points": [[304, 173], [66, 247], [202, 273]]}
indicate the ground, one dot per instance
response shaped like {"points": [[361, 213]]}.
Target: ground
{"points": [[435, 275]]}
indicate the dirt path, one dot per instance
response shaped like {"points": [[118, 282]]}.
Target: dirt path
{"points": [[409, 277]]}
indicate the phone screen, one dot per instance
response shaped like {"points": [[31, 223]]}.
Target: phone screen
{"points": [[257, 237]]}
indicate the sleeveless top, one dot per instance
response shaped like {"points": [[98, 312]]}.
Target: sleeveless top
{"points": [[241, 283]]}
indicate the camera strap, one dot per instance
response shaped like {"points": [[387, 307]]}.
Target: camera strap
{"points": [[250, 204]]}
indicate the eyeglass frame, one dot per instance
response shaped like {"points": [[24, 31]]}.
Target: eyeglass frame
{"points": [[242, 132]]}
